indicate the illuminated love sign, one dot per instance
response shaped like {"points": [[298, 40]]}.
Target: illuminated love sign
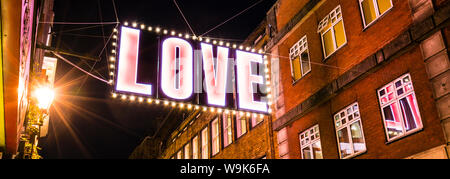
{"points": [[161, 66]]}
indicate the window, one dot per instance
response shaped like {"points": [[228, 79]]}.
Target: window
{"points": [[179, 155], [373, 9], [332, 32], [186, 151], [300, 63], [205, 152], [255, 120], [310, 143], [241, 124], [227, 130], [215, 136], [349, 131], [283, 147], [399, 108], [195, 147]]}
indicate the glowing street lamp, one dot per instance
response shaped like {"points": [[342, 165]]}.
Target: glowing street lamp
{"points": [[44, 97]]}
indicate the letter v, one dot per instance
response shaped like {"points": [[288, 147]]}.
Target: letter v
{"points": [[215, 75]]}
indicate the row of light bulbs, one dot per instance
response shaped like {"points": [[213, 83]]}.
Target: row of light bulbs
{"points": [[112, 66], [184, 105], [189, 36]]}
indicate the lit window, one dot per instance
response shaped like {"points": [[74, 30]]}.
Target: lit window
{"points": [[195, 147], [310, 143], [179, 155], [186, 151], [227, 130], [205, 151], [215, 136], [241, 125], [399, 108], [349, 131], [332, 31], [255, 120], [299, 55], [373, 9]]}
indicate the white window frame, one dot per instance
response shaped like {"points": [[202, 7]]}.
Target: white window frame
{"points": [[187, 151], [295, 51], [396, 99], [227, 130], [195, 148], [180, 154], [334, 14], [204, 143], [241, 119], [347, 125], [215, 138], [307, 135], [377, 12]]}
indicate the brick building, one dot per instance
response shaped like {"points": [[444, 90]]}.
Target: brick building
{"points": [[360, 78], [350, 79], [225, 135], [21, 63]]}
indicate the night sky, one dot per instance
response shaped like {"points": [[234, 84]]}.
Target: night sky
{"points": [[85, 121]]}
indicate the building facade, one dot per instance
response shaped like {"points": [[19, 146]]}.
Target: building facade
{"points": [[360, 79], [206, 134], [20, 29]]}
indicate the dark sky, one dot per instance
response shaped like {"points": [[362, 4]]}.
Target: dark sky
{"points": [[85, 121]]}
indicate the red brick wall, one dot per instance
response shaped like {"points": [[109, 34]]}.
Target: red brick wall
{"points": [[253, 144], [287, 9], [360, 44], [364, 92], [439, 3]]}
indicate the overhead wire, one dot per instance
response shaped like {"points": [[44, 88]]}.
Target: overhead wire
{"points": [[185, 20], [215, 27], [79, 68], [115, 10], [79, 23], [104, 43]]}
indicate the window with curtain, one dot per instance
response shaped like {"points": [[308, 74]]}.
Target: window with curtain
{"points": [[300, 62], [255, 120], [187, 151], [349, 131], [215, 148], [204, 136], [371, 10], [227, 130], [310, 143], [195, 147], [332, 32], [241, 124], [179, 155], [399, 108]]}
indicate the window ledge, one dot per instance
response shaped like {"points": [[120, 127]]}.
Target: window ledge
{"points": [[404, 136], [294, 82], [355, 154], [376, 20], [332, 54]]}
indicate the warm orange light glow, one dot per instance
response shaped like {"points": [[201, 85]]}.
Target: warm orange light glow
{"points": [[44, 96]]}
